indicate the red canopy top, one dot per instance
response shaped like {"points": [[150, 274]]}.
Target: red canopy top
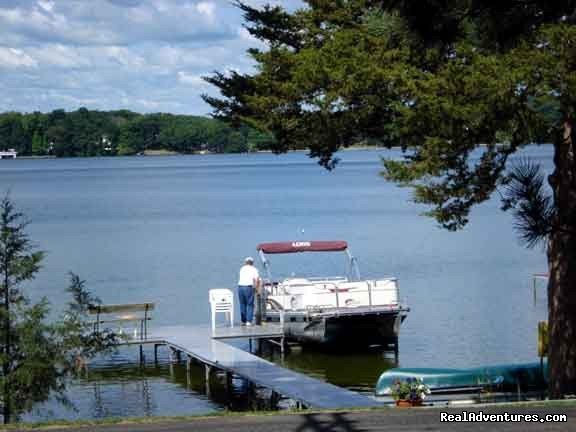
{"points": [[302, 246]]}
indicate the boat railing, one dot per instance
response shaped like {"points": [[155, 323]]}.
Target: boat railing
{"points": [[333, 295], [328, 279], [276, 307], [370, 294], [272, 288]]}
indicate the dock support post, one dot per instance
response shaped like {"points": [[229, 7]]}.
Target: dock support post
{"points": [[228, 384], [188, 372], [229, 380], [274, 399], [175, 355], [141, 354], [156, 353], [207, 373], [171, 362]]}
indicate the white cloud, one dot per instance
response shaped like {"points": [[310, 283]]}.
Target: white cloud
{"points": [[59, 55], [206, 8], [124, 56], [171, 56], [97, 22], [289, 5], [190, 79], [15, 58], [144, 55], [46, 5], [245, 35]]}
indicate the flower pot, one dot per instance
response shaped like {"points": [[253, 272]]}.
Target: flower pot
{"points": [[404, 403]]}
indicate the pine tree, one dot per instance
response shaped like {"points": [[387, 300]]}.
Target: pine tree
{"points": [[446, 80], [36, 356]]}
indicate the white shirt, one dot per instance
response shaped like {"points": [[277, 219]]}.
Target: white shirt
{"points": [[247, 275]]}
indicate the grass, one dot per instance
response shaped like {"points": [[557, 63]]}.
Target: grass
{"points": [[47, 425], [62, 424]]}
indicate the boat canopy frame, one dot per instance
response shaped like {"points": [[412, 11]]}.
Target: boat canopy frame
{"points": [[307, 246]]}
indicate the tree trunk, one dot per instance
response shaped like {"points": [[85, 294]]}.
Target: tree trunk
{"points": [[562, 268]]}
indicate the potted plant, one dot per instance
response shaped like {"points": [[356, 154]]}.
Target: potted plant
{"points": [[409, 392]]}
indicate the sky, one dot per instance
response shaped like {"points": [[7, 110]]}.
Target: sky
{"points": [[141, 55]]}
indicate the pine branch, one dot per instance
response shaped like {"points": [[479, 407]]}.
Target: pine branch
{"points": [[525, 195]]}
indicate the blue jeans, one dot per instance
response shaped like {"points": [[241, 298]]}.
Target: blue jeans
{"points": [[246, 298]]}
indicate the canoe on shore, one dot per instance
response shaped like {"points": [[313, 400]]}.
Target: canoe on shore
{"points": [[512, 377]]}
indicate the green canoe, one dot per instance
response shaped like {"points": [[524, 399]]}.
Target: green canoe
{"points": [[523, 377]]}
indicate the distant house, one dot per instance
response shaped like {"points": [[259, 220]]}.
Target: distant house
{"points": [[106, 143], [8, 154]]}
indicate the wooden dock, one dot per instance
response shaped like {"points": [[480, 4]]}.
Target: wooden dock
{"points": [[198, 343]]}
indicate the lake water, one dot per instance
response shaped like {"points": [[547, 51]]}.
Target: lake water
{"points": [[167, 229]]}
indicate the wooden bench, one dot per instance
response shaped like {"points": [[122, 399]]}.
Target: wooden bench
{"points": [[118, 314]]}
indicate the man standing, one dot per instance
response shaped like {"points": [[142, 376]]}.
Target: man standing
{"points": [[248, 281]]}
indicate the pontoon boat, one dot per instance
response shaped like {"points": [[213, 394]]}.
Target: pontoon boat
{"points": [[342, 312]]}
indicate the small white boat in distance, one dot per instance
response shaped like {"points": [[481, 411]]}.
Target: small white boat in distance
{"points": [[8, 154], [342, 312]]}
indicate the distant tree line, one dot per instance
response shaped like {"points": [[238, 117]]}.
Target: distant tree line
{"points": [[99, 133]]}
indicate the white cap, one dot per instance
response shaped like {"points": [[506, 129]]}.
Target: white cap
{"points": [[249, 259]]}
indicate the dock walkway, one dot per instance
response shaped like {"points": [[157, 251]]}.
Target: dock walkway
{"points": [[198, 343]]}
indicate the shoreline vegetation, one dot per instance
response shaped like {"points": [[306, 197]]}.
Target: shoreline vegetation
{"points": [[162, 152], [86, 133], [91, 133]]}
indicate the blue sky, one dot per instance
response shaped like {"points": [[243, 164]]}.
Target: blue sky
{"points": [[142, 55]]}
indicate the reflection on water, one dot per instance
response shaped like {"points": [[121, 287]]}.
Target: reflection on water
{"points": [[357, 371], [168, 229], [119, 386]]}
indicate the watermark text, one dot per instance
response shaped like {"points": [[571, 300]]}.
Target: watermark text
{"points": [[468, 416]]}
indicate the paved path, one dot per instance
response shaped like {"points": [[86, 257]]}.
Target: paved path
{"points": [[386, 419]]}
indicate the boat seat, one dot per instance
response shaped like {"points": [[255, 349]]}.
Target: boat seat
{"points": [[296, 286], [348, 286]]}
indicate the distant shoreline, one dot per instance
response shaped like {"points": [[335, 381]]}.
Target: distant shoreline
{"points": [[158, 153], [163, 152], [37, 157]]}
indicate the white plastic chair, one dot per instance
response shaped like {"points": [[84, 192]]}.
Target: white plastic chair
{"points": [[222, 300]]}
